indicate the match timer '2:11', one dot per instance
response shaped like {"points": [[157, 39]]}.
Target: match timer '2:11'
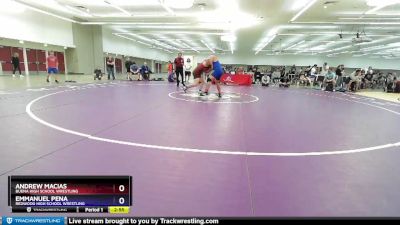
{"points": [[75, 194]]}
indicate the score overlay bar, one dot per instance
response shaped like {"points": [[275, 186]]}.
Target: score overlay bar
{"points": [[68, 193]]}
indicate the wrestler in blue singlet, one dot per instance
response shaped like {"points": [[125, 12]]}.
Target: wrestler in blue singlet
{"points": [[218, 71]]}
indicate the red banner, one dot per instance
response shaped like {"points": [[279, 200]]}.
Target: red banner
{"points": [[236, 79]]}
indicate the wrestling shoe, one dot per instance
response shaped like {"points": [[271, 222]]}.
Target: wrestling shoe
{"points": [[219, 95]]}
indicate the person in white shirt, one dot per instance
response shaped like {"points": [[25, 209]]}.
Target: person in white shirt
{"points": [[188, 70]]}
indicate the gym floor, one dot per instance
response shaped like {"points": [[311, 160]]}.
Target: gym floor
{"points": [[255, 152]]}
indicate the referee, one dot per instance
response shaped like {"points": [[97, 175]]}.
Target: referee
{"points": [[179, 62]]}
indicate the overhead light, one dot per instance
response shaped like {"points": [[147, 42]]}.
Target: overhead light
{"points": [[132, 23], [179, 4], [78, 11], [311, 3], [121, 36], [119, 8], [65, 47], [229, 38], [21, 42], [265, 44], [207, 46], [45, 45], [298, 4], [187, 46], [231, 46], [376, 3], [16, 7], [47, 13], [297, 44], [166, 7]]}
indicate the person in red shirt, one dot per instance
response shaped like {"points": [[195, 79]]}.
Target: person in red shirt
{"points": [[179, 62], [170, 68], [52, 66]]}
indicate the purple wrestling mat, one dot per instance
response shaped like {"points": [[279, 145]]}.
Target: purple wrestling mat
{"points": [[255, 152]]}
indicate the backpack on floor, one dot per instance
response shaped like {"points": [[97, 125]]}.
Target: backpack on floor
{"points": [[329, 87]]}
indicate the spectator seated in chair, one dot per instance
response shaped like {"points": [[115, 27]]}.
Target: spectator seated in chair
{"points": [[396, 85], [98, 74], [355, 81], [135, 71], [390, 83], [284, 81], [265, 81], [276, 76], [303, 80], [329, 82], [145, 71], [368, 79]]}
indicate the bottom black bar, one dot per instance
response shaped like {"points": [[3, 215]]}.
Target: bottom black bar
{"points": [[60, 209]]}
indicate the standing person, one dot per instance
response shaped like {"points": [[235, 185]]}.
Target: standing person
{"points": [[52, 66], [215, 76], [15, 63], [128, 64], [179, 63], [110, 67], [204, 67], [339, 76], [188, 70], [324, 69]]}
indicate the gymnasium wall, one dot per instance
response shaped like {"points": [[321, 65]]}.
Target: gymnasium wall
{"points": [[116, 45], [32, 26], [88, 53]]}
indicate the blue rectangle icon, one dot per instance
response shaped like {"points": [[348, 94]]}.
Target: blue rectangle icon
{"points": [[13, 220]]}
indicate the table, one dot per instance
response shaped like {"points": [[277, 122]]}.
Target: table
{"points": [[237, 79]]}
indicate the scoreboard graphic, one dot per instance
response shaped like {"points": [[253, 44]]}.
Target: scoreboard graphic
{"points": [[70, 194]]}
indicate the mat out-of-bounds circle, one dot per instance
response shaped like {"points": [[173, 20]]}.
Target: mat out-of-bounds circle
{"points": [[226, 98], [206, 151]]}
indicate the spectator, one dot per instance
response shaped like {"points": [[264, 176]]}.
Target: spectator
{"points": [[284, 81], [324, 69], [110, 67], [313, 75], [265, 80], [368, 79], [128, 64], [16, 65], [170, 68], [339, 76], [293, 69], [145, 71], [330, 78], [188, 70], [354, 81], [52, 66], [134, 70], [98, 74]]}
